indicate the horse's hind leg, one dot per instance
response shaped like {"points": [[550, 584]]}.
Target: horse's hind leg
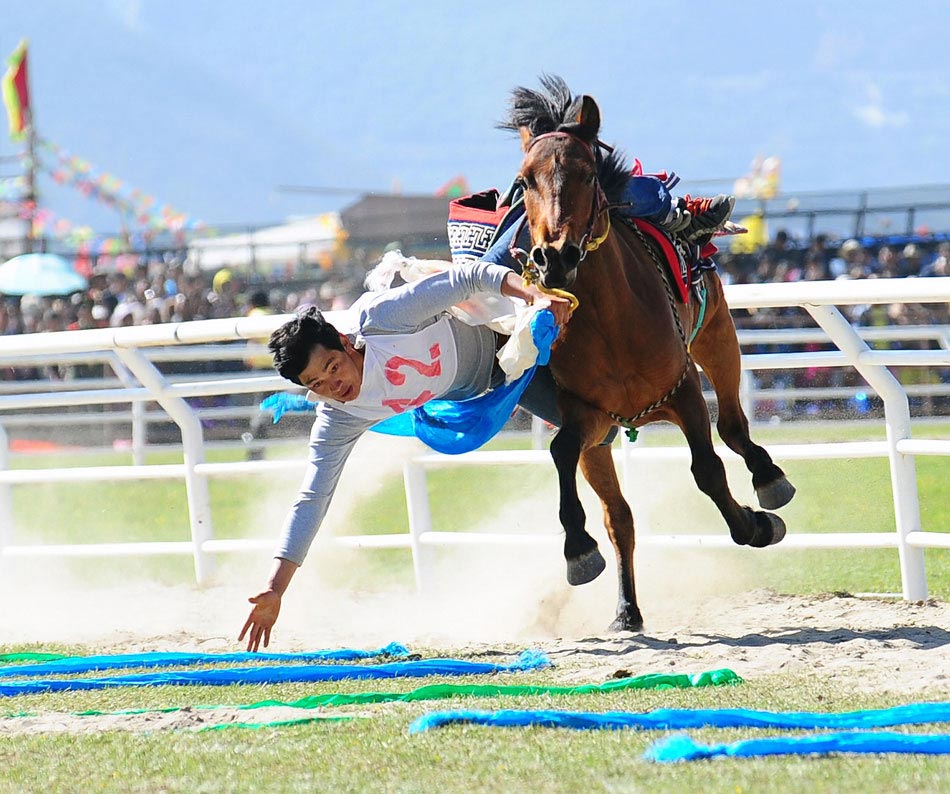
{"points": [[597, 466], [717, 351], [688, 409]]}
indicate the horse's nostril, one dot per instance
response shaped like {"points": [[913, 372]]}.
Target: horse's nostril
{"points": [[571, 256], [538, 257]]}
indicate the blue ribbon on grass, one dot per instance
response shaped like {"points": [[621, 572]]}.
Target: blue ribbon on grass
{"points": [[682, 748], [528, 660], [73, 665], [678, 719]]}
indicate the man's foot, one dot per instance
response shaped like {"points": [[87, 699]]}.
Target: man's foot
{"points": [[709, 215], [677, 219]]}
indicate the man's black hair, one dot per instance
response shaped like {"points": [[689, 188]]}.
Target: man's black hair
{"points": [[293, 343]]}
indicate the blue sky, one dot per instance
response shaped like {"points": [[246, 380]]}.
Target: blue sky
{"points": [[209, 106]]}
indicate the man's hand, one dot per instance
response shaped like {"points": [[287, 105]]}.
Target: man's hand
{"points": [[261, 620], [514, 287], [558, 306]]}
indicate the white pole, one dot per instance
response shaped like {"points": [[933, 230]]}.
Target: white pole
{"points": [[420, 520], [747, 394], [192, 439], [897, 422], [138, 415], [539, 432], [6, 506]]}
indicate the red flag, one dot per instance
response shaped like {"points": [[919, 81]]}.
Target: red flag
{"points": [[16, 95]]}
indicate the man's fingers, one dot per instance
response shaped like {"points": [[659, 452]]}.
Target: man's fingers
{"points": [[247, 625], [266, 637]]}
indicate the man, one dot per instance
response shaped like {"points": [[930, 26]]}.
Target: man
{"points": [[404, 350]]}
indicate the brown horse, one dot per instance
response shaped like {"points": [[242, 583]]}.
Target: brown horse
{"points": [[624, 357]]}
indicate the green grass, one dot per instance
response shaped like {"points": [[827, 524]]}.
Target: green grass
{"points": [[376, 754]]}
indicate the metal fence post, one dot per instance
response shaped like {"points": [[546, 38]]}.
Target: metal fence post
{"points": [[420, 521], [746, 393], [138, 415], [6, 505], [897, 421], [192, 438]]}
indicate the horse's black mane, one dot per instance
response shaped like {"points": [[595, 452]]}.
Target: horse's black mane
{"points": [[553, 108]]}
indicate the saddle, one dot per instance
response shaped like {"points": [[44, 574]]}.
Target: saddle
{"points": [[685, 262]]}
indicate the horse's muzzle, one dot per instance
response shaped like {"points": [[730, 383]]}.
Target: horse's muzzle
{"points": [[558, 268]]}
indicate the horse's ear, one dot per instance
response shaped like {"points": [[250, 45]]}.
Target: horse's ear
{"points": [[588, 118], [585, 119], [526, 137]]}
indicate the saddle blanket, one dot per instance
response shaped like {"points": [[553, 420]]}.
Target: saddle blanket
{"points": [[685, 262]]}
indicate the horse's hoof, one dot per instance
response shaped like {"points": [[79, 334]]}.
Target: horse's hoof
{"points": [[776, 494], [625, 622], [769, 530], [585, 568]]}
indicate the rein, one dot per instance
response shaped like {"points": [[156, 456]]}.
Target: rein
{"points": [[530, 276]]}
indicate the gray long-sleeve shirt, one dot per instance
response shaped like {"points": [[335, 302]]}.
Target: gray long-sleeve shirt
{"points": [[404, 310]]}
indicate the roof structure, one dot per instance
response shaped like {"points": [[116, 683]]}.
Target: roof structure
{"points": [[382, 219]]}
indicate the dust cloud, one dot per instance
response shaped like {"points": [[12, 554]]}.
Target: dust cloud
{"points": [[490, 593]]}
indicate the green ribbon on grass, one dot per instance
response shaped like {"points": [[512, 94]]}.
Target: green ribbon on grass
{"points": [[31, 657], [445, 691]]}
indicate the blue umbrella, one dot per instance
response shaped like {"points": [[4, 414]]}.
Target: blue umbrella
{"points": [[39, 274]]}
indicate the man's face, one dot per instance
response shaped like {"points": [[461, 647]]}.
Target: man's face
{"points": [[334, 374]]}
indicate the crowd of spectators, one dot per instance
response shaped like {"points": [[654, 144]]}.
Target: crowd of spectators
{"points": [[158, 292], [161, 291], [783, 259]]}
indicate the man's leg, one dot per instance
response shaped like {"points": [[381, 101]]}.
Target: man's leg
{"points": [[648, 197], [499, 253]]}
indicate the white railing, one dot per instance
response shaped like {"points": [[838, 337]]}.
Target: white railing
{"points": [[139, 419], [136, 350]]}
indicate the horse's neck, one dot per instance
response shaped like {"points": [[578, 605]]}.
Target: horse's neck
{"points": [[621, 269]]}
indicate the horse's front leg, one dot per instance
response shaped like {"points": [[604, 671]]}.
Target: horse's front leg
{"points": [[584, 561], [597, 466]]}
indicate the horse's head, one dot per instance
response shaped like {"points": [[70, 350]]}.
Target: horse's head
{"points": [[565, 205]]}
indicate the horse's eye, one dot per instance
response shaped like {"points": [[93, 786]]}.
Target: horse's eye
{"points": [[527, 182], [591, 180]]}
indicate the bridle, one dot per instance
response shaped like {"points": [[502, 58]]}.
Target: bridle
{"points": [[599, 207]]}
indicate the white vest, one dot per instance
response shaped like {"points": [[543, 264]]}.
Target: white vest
{"points": [[403, 371]]}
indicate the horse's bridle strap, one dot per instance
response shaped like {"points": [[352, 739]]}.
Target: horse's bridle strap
{"points": [[561, 134]]}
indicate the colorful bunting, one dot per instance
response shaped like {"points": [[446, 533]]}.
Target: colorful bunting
{"points": [[137, 206]]}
